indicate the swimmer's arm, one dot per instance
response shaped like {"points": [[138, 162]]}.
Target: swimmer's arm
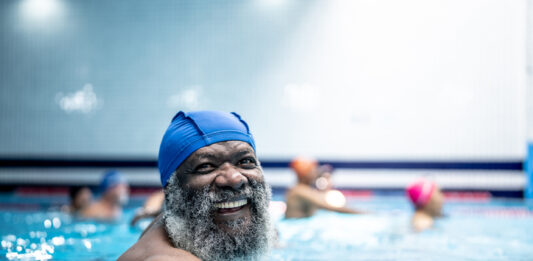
{"points": [[141, 214], [152, 207], [155, 201], [348, 210], [318, 199]]}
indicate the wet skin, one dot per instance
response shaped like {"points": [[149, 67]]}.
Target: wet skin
{"points": [[222, 166]]}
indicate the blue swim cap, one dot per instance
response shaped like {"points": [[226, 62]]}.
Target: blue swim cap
{"points": [[110, 179], [191, 131]]}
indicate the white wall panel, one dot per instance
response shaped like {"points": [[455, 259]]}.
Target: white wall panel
{"points": [[380, 79]]}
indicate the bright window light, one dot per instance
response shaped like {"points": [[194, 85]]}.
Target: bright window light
{"points": [[272, 3], [41, 10]]}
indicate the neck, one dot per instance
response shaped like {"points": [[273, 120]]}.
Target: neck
{"points": [[425, 213], [304, 182]]}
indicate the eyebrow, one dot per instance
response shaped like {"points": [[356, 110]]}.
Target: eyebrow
{"points": [[243, 152], [206, 155], [211, 156]]}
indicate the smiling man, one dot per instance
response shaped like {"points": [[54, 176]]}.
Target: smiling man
{"points": [[216, 200]]}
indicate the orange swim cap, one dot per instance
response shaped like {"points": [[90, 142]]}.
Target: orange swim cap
{"points": [[303, 166]]}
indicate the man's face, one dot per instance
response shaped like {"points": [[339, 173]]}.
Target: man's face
{"points": [[218, 198], [119, 193]]}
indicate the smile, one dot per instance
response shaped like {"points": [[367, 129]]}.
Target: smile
{"points": [[231, 206]]}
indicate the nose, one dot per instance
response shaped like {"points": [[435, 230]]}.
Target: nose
{"points": [[230, 177]]}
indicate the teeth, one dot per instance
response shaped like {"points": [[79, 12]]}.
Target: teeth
{"points": [[232, 204]]}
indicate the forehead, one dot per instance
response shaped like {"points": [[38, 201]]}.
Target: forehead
{"points": [[222, 148]]}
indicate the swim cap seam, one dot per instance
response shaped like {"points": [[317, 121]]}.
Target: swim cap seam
{"points": [[242, 121], [195, 124]]}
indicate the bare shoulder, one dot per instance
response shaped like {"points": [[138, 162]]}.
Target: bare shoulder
{"points": [[94, 210], [299, 189], [305, 192], [155, 246]]}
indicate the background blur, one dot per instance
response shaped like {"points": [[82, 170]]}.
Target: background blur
{"points": [[384, 90]]}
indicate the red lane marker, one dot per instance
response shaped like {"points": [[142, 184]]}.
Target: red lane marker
{"points": [[143, 191], [468, 196], [360, 194]]}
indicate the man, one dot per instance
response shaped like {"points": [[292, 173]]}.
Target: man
{"points": [[427, 199], [115, 194], [216, 200], [303, 200]]}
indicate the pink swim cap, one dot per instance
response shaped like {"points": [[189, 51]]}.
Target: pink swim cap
{"points": [[420, 192]]}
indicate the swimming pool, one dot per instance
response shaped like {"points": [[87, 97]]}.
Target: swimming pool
{"points": [[32, 228]]}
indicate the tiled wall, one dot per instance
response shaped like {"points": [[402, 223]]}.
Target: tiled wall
{"points": [[334, 79]]}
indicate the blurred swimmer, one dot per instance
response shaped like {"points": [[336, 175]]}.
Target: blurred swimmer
{"points": [[313, 191], [115, 194], [151, 208], [427, 199], [80, 198]]}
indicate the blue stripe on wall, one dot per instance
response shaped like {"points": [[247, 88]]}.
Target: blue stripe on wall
{"points": [[150, 163], [433, 165]]}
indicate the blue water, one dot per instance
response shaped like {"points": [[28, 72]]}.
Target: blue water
{"points": [[494, 230]]}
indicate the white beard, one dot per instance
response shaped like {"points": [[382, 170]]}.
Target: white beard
{"points": [[189, 224]]}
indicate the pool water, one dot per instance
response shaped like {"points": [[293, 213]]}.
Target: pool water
{"points": [[490, 230]]}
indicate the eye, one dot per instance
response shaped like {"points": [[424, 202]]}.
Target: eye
{"points": [[204, 168], [248, 162]]}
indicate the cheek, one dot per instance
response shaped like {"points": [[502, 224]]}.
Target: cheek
{"points": [[199, 181], [255, 174]]}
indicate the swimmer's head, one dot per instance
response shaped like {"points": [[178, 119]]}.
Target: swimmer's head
{"points": [[114, 187], [305, 169], [190, 131], [80, 197], [216, 199], [425, 195]]}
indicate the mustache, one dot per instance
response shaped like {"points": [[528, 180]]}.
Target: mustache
{"points": [[228, 195], [211, 197]]}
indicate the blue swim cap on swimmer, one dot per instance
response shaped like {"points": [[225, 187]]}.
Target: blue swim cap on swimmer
{"points": [[191, 131], [110, 179]]}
